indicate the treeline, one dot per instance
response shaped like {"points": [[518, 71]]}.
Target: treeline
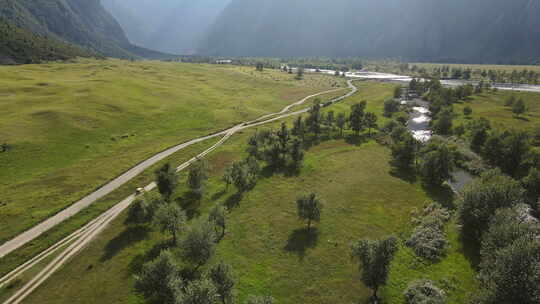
{"points": [[21, 46], [524, 76]]}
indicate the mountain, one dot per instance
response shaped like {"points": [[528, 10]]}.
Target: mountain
{"points": [[173, 26], [22, 46], [483, 31], [82, 22]]}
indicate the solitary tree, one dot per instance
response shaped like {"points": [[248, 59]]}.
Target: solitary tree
{"points": [[199, 244], [356, 118], [155, 276], [519, 107], [391, 106], [375, 258], [170, 218], [259, 67], [309, 208], [218, 219], [438, 165], [467, 111], [167, 180], [371, 121], [299, 73], [197, 176], [340, 122], [221, 276]]}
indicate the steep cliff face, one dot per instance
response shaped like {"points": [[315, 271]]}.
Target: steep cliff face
{"points": [[82, 22], [459, 30], [174, 26]]}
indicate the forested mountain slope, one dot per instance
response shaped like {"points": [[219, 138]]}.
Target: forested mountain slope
{"points": [[492, 31], [82, 22]]}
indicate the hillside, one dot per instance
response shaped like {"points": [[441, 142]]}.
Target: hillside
{"points": [[82, 22], [482, 31], [21, 46], [172, 26]]}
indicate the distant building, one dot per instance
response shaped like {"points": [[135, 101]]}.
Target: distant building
{"points": [[228, 61]]}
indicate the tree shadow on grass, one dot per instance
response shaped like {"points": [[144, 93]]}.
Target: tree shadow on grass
{"points": [[470, 248], [218, 195], [407, 175], [233, 201], [136, 264], [356, 140], [191, 203], [128, 237], [302, 239], [522, 118]]}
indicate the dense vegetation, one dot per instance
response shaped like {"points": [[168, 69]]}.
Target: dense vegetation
{"points": [[81, 22], [21, 46]]}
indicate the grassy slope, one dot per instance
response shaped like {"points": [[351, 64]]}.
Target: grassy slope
{"points": [[490, 105], [265, 243], [69, 123]]}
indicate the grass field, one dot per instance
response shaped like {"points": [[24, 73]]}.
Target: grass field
{"points": [[490, 105], [73, 127], [266, 244]]}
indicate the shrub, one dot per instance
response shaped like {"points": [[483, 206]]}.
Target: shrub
{"points": [[424, 292]]}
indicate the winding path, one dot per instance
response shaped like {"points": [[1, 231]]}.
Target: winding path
{"points": [[83, 236]]}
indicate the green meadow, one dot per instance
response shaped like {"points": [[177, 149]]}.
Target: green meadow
{"points": [[72, 127], [265, 242]]}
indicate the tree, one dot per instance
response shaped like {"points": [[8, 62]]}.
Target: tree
{"points": [[438, 165], [260, 300], [200, 291], [221, 276], [245, 174], [259, 67], [483, 197], [298, 127], [397, 92], [300, 73], [228, 177], [143, 208], [218, 219], [467, 111], [443, 125], [297, 154], [309, 208], [198, 246], [391, 106], [531, 183], [356, 118], [370, 121], [167, 181], [375, 258], [155, 277], [283, 138], [404, 152], [340, 122], [314, 119], [170, 218], [519, 107], [197, 176], [479, 133]]}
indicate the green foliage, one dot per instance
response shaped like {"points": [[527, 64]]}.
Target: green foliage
{"points": [[428, 239], [531, 183], [375, 258], [437, 165], [200, 291], [519, 107], [167, 180], [155, 278], [391, 106], [370, 120], [222, 277], [483, 197], [22, 46], [218, 218], [443, 124], [171, 218], [198, 245], [197, 176], [356, 118], [424, 292], [143, 208], [467, 111], [403, 150], [245, 174], [309, 208]]}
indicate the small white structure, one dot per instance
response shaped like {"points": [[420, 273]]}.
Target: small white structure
{"points": [[225, 61]]}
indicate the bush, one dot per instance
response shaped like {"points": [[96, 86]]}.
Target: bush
{"points": [[424, 292], [428, 239]]}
